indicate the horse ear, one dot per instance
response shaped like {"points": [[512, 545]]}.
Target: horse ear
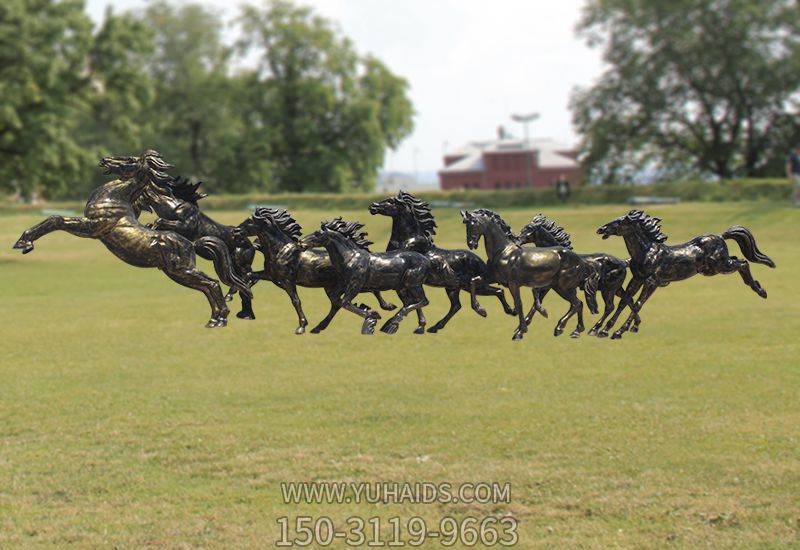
{"points": [[464, 215]]}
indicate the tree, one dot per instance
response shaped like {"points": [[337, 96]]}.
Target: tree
{"points": [[328, 113], [694, 85], [59, 85]]}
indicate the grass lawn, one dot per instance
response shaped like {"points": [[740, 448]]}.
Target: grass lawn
{"points": [[125, 423]]}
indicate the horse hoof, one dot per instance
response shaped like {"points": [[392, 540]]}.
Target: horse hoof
{"points": [[602, 334], [616, 336], [420, 330], [480, 311], [388, 307], [761, 292], [634, 328], [592, 332], [543, 311], [316, 330], [369, 325], [229, 297], [300, 330], [25, 246], [390, 328], [249, 315], [434, 329], [558, 331], [517, 336], [512, 312], [575, 334]]}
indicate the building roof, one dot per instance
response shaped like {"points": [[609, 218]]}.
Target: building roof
{"points": [[550, 153]]}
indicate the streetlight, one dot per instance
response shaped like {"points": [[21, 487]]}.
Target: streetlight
{"points": [[525, 120]]}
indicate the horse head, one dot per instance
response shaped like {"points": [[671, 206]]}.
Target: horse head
{"points": [[635, 221], [543, 231], [149, 167]]}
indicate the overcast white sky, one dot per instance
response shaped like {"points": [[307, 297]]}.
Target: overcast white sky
{"points": [[470, 63]]}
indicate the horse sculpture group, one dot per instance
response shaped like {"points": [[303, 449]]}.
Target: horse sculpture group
{"points": [[337, 258]]}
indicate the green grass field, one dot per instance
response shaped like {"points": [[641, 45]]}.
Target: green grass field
{"points": [[124, 423]]}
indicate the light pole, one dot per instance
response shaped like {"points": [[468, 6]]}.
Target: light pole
{"points": [[525, 120]]}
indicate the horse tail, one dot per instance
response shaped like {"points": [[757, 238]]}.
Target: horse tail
{"points": [[590, 286], [223, 264], [747, 243]]}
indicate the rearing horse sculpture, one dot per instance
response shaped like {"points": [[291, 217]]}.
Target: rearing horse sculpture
{"points": [[510, 264], [654, 264], [111, 217], [176, 206], [413, 228]]}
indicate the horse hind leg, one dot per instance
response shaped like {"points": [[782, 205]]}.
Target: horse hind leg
{"points": [[743, 268], [413, 300], [575, 306], [80, 227], [196, 279], [496, 291], [455, 305], [608, 299]]}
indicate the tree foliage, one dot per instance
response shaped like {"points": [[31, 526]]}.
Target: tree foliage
{"points": [[703, 86], [288, 104], [328, 113]]}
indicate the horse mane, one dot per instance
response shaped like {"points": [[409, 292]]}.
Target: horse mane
{"points": [[183, 189], [421, 211], [282, 219], [349, 230], [649, 224], [152, 164], [499, 221], [554, 230]]}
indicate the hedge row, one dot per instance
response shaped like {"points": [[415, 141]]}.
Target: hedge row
{"points": [[733, 190]]}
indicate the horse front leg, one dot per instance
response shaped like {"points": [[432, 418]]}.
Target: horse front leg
{"points": [[291, 290], [522, 328], [627, 299], [647, 291], [80, 227], [473, 285]]}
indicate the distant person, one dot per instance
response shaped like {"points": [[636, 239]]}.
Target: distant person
{"points": [[562, 188], [793, 173]]}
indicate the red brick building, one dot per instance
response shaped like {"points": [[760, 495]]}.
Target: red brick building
{"points": [[509, 164]]}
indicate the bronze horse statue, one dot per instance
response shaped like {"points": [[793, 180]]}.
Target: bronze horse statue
{"points": [[543, 231], [413, 228], [654, 264], [287, 263], [359, 270], [176, 206], [512, 265], [111, 216]]}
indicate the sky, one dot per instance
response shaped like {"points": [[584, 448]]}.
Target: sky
{"points": [[470, 64]]}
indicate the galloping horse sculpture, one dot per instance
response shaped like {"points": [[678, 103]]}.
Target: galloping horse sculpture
{"points": [[654, 264], [512, 265], [413, 228], [360, 270], [176, 206], [287, 263], [111, 217], [543, 231]]}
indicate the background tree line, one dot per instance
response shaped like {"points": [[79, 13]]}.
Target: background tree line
{"points": [[287, 104], [692, 88]]}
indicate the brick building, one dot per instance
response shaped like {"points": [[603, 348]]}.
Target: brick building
{"points": [[509, 164]]}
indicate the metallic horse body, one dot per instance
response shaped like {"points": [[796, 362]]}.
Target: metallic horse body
{"points": [[111, 217], [611, 270], [360, 270], [413, 228], [654, 264], [512, 265]]}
